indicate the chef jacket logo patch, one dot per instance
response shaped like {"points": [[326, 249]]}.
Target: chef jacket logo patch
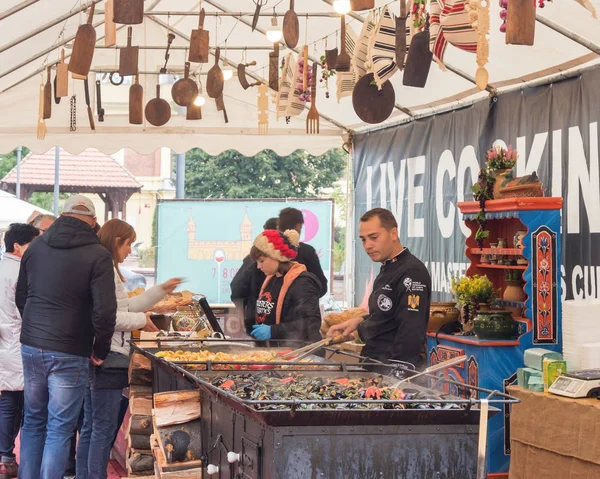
{"points": [[413, 302], [413, 286], [408, 284], [384, 303]]}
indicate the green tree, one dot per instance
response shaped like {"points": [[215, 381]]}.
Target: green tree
{"points": [[45, 200], [9, 161], [266, 175]]}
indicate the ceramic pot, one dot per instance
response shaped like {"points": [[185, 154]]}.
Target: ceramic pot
{"points": [[518, 239], [500, 176], [493, 256], [495, 325], [485, 258], [440, 314], [514, 292]]}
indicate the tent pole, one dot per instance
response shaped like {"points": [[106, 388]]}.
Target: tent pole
{"points": [[349, 266], [18, 189], [180, 177], [17, 8], [56, 178], [594, 47]]}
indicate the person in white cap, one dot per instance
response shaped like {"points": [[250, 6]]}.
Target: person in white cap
{"points": [[66, 296]]}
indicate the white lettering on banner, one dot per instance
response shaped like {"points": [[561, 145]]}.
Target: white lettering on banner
{"points": [[525, 165], [584, 282], [445, 165], [397, 202], [557, 163], [383, 185], [468, 160], [416, 167], [589, 180], [500, 143], [442, 274], [369, 186], [563, 283]]}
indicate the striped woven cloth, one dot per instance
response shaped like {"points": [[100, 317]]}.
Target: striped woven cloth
{"points": [[449, 23], [382, 49], [362, 47], [295, 106], [345, 81], [285, 85]]}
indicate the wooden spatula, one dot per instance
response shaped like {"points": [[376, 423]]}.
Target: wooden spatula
{"points": [[83, 46], [41, 125], [312, 119], [128, 57], [215, 80], [343, 60], [62, 77], [48, 95], [199, 42], [520, 22], [136, 103], [110, 28]]}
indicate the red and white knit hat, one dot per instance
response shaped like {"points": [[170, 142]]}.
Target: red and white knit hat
{"points": [[282, 247]]}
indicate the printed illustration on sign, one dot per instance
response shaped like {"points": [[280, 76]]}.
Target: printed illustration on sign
{"points": [[384, 303], [413, 302], [233, 250]]}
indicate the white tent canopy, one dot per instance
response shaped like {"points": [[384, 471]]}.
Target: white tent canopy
{"points": [[13, 210], [32, 37]]}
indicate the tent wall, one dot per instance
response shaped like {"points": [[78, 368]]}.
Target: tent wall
{"points": [[420, 170]]}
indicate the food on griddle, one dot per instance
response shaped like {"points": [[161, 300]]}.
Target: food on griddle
{"points": [[204, 356], [276, 386]]}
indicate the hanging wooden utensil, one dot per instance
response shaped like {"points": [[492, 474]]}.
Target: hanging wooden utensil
{"points": [[194, 112], [48, 95], [241, 70], [358, 5], [185, 90], [221, 107], [41, 125], [370, 104], [401, 36], [170, 38], [56, 98], [259, 4], [136, 103], [343, 60], [215, 80], [274, 67], [99, 108], [158, 111], [520, 22], [88, 104], [129, 12], [128, 57], [312, 119], [83, 47], [291, 27], [331, 58], [263, 107], [418, 61], [199, 42], [62, 77], [110, 28], [305, 68], [483, 44]]}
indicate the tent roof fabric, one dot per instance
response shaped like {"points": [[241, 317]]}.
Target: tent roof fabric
{"points": [[89, 169], [567, 39], [13, 210]]}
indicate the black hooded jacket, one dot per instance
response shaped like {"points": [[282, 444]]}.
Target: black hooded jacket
{"points": [[66, 291]]}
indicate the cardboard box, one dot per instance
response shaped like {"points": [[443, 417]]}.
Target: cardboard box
{"points": [[553, 368], [554, 436]]}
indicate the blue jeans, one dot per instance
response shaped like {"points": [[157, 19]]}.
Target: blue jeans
{"points": [[100, 422], [11, 412], [54, 390]]}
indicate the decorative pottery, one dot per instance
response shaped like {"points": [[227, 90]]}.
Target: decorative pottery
{"points": [[502, 242], [518, 238], [485, 258], [514, 292], [440, 314], [523, 187], [183, 322], [501, 179], [495, 325], [493, 256]]}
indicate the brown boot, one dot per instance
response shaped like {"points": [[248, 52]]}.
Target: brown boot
{"points": [[8, 470]]}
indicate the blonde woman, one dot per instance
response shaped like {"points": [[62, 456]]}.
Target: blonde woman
{"points": [[106, 382]]}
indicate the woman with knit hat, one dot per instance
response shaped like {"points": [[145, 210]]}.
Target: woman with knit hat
{"points": [[288, 303]]}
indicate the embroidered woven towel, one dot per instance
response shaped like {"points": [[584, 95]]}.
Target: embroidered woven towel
{"points": [[295, 105], [362, 47], [285, 85], [345, 81], [382, 49], [450, 24]]}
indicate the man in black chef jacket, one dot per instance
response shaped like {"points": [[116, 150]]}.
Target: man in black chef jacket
{"points": [[399, 303]]}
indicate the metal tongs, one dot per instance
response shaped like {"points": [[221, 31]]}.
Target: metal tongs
{"points": [[301, 353]]}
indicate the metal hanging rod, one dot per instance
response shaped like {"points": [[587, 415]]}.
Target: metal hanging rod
{"points": [[179, 47], [232, 14], [171, 71], [17, 8]]}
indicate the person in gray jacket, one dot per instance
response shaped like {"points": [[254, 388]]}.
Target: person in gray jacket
{"points": [[17, 240], [106, 382]]}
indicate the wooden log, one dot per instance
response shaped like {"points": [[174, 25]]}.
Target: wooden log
{"points": [[138, 441], [183, 470], [141, 425], [140, 370], [136, 390], [145, 452], [179, 442], [177, 407], [140, 464], [140, 406]]}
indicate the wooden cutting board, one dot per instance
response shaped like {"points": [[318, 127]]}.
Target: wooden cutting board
{"points": [[199, 42], [274, 68], [129, 12], [215, 80], [358, 5], [83, 47], [193, 112], [520, 22], [110, 28], [291, 27], [62, 77], [370, 104], [418, 61], [128, 57]]}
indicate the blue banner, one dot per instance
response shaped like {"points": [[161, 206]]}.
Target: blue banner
{"points": [[206, 241]]}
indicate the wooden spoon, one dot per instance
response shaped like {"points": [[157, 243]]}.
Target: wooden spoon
{"points": [[343, 60], [158, 111], [215, 80], [83, 47], [291, 28]]}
